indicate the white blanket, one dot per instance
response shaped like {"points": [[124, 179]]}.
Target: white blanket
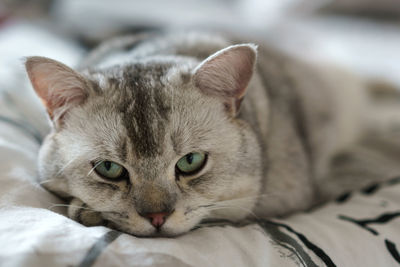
{"points": [[360, 229]]}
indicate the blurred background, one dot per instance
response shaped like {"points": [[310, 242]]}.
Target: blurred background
{"points": [[362, 35]]}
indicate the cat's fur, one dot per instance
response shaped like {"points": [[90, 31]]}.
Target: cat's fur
{"points": [[269, 123]]}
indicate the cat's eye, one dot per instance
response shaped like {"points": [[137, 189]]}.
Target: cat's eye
{"points": [[110, 170], [191, 163]]}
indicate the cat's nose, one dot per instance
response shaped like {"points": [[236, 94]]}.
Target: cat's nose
{"points": [[157, 219]]}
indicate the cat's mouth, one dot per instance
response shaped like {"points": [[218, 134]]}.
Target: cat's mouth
{"points": [[143, 230]]}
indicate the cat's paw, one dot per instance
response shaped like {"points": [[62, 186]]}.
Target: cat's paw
{"points": [[82, 213]]}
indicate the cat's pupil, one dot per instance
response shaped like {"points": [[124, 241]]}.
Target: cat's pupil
{"points": [[189, 158], [107, 165]]}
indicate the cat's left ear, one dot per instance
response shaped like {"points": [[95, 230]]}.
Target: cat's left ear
{"points": [[227, 73], [59, 87]]}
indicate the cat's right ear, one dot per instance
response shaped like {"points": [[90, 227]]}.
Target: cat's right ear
{"points": [[227, 73], [58, 86]]}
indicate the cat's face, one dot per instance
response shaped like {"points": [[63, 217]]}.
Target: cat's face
{"points": [[148, 147]]}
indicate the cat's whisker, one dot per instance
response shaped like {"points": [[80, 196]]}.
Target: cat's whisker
{"points": [[215, 203], [215, 221], [232, 201], [249, 198], [220, 207], [120, 220], [66, 165], [92, 169], [44, 182], [73, 206], [78, 207]]}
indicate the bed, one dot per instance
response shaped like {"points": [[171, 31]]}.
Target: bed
{"points": [[358, 229]]}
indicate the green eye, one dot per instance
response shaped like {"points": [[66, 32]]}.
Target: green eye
{"points": [[110, 170], [191, 163]]}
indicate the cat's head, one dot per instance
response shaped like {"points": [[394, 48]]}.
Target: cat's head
{"points": [[154, 146]]}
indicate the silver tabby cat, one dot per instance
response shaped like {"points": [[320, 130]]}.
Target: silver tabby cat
{"points": [[154, 134]]}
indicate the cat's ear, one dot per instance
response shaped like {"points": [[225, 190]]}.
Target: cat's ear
{"points": [[58, 86], [227, 73]]}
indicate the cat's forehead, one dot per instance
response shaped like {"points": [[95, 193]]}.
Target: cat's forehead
{"points": [[142, 95]]}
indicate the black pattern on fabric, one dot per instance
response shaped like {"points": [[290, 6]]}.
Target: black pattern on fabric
{"points": [[317, 250], [392, 250], [98, 247], [288, 243], [382, 219]]}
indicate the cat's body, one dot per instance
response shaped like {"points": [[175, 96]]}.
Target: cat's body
{"points": [[148, 101]]}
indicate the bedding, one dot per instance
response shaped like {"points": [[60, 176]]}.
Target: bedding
{"points": [[358, 229]]}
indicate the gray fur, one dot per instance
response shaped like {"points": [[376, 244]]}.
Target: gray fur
{"points": [[144, 111]]}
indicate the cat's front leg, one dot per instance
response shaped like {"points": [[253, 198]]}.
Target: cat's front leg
{"points": [[82, 213]]}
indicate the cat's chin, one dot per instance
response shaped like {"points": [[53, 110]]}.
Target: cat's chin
{"points": [[166, 234], [150, 232]]}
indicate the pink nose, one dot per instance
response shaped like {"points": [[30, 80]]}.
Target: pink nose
{"points": [[157, 219]]}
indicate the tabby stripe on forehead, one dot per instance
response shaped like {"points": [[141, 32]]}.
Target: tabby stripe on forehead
{"points": [[145, 108]]}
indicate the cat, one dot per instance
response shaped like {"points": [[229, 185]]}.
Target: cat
{"points": [[154, 134]]}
